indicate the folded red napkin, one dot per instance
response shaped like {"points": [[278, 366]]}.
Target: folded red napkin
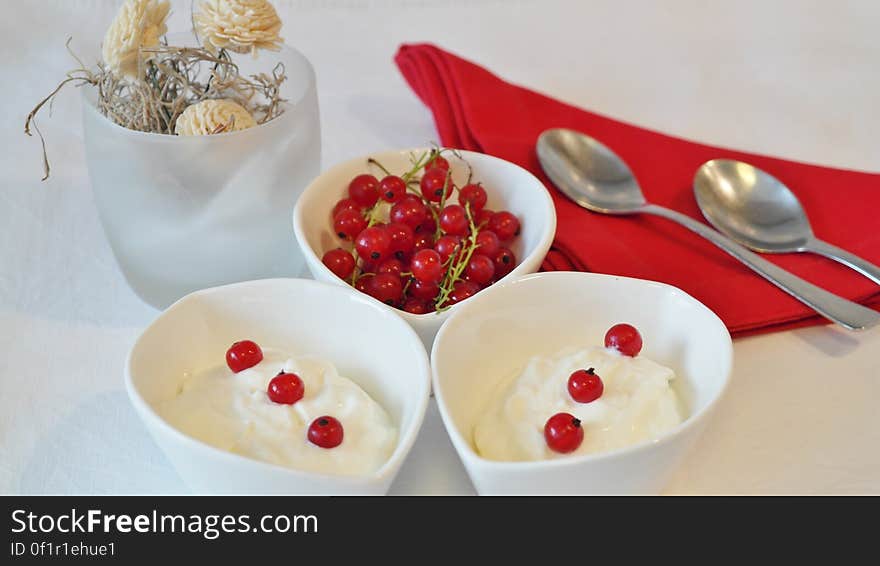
{"points": [[476, 110]]}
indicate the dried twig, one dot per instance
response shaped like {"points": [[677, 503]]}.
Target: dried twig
{"points": [[172, 78]]}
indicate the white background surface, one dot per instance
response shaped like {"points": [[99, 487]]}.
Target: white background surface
{"points": [[796, 79]]}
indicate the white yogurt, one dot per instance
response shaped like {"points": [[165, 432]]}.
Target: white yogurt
{"points": [[638, 404], [232, 411]]}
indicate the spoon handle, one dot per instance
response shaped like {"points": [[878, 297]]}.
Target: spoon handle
{"points": [[837, 309], [863, 266]]}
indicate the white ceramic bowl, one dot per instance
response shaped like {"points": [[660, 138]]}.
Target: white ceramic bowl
{"points": [[509, 187], [367, 343], [490, 337]]}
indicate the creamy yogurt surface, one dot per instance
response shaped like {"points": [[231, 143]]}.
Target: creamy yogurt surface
{"points": [[638, 404], [232, 411]]}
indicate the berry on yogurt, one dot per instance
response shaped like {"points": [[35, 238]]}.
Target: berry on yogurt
{"points": [[326, 432], [243, 355], [625, 339], [563, 433], [585, 386], [286, 388]]}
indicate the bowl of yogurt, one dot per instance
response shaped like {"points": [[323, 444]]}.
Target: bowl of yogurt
{"points": [[578, 383], [285, 386]]}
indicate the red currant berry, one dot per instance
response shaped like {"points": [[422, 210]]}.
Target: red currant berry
{"points": [[447, 246], [349, 223], [417, 306], [424, 290], [386, 287], [462, 290], [585, 386], [340, 262], [482, 217], [474, 194], [392, 188], [409, 210], [433, 182], [363, 283], [347, 204], [504, 261], [286, 388], [437, 162], [563, 433], [427, 266], [424, 241], [373, 244], [402, 239], [488, 243], [326, 432], [480, 269], [391, 265], [370, 267], [504, 224], [243, 355], [454, 220], [364, 190], [625, 339], [429, 226]]}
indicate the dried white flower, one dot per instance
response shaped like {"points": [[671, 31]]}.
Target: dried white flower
{"points": [[242, 26], [213, 117], [139, 23]]}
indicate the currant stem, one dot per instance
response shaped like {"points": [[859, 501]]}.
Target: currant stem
{"points": [[372, 161], [357, 267], [372, 220], [456, 268], [437, 230], [417, 164]]}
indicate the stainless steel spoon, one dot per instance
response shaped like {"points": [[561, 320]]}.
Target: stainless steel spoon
{"points": [[758, 211], [596, 178]]}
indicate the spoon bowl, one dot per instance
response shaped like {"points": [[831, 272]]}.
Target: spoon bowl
{"points": [[589, 172], [751, 206], [757, 210]]}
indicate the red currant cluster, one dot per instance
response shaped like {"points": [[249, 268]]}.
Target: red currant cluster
{"points": [[563, 431], [424, 253], [285, 389]]}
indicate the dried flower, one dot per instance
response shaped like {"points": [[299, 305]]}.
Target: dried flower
{"points": [[139, 23], [213, 117], [242, 26]]}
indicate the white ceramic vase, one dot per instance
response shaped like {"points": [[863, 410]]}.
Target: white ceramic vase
{"points": [[185, 213]]}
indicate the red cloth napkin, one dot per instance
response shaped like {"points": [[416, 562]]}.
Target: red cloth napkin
{"points": [[476, 110]]}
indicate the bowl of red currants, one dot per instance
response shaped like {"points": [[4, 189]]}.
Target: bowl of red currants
{"points": [[422, 230]]}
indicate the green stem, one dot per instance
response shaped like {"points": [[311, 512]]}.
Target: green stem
{"points": [[417, 164], [372, 219], [456, 268], [437, 230], [372, 161], [357, 267]]}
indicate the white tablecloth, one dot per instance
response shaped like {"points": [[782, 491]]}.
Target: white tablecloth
{"points": [[797, 79]]}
